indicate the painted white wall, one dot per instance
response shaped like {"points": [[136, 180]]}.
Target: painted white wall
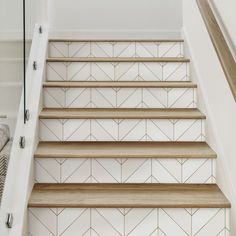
{"points": [[89, 18], [11, 79], [81, 19], [11, 52], [11, 18], [112, 18], [226, 10], [215, 100]]}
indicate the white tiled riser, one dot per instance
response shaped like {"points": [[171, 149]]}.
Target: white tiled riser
{"points": [[128, 222], [132, 170], [122, 130], [118, 71], [116, 49], [119, 98]]}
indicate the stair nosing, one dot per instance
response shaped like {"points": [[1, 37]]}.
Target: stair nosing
{"points": [[117, 40], [121, 113], [129, 195], [119, 59], [108, 150], [124, 84]]}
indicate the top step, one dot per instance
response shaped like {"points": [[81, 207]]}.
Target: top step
{"points": [[116, 48]]}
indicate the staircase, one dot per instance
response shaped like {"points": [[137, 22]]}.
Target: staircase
{"points": [[122, 146]]}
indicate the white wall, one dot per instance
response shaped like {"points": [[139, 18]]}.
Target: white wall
{"points": [[116, 18], [215, 100], [11, 53], [11, 79], [11, 18], [226, 10]]}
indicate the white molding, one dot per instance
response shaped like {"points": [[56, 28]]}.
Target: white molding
{"points": [[115, 34]]}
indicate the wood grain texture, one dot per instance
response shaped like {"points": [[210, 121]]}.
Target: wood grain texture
{"points": [[221, 46], [118, 59], [121, 113], [116, 40], [127, 196], [124, 150], [114, 84]]}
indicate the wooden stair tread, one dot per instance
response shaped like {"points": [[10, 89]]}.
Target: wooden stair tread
{"points": [[114, 84], [117, 59], [124, 150], [121, 113], [116, 40], [127, 196]]}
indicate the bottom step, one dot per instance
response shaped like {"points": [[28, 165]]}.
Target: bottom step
{"points": [[128, 222], [128, 209], [128, 196]]}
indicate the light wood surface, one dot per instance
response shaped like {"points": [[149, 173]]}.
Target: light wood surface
{"points": [[127, 196], [114, 84], [220, 43], [124, 150], [121, 113], [116, 40], [118, 59]]}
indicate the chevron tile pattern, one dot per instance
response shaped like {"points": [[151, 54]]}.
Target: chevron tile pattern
{"points": [[118, 71], [122, 221], [128, 222], [116, 49], [122, 130], [119, 98], [131, 170]]}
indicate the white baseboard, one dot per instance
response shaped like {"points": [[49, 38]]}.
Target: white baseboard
{"points": [[116, 34]]}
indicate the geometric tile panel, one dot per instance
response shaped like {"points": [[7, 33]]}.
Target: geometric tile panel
{"points": [[122, 130], [119, 98], [128, 222], [130, 170], [118, 71], [115, 49]]}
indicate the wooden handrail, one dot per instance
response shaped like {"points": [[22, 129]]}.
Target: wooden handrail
{"points": [[221, 46]]}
